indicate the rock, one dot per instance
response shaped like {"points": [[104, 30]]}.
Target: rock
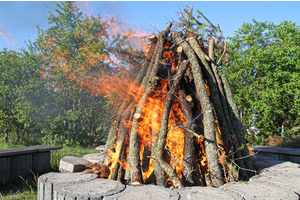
{"points": [[145, 192], [94, 189], [206, 193], [72, 164], [258, 190], [101, 148], [48, 182], [93, 157], [292, 183]]}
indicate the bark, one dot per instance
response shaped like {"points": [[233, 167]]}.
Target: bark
{"points": [[159, 153], [121, 138], [235, 143], [161, 177], [112, 137], [189, 150], [160, 48], [134, 161], [214, 96], [237, 124], [208, 116]]}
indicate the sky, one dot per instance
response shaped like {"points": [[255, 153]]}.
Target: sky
{"points": [[18, 19]]}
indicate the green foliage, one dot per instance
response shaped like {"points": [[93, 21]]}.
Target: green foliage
{"points": [[264, 74], [51, 88], [20, 86]]}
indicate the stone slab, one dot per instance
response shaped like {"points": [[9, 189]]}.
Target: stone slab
{"points": [[72, 164], [258, 190], [145, 192], [95, 189], [291, 183], [206, 193], [100, 148], [48, 182], [93, 157]]}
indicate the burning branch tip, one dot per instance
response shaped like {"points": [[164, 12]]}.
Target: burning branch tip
{"points": [[194, 133]]}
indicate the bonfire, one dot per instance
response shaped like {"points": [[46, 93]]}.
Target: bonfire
{"points": [[178, 124]]}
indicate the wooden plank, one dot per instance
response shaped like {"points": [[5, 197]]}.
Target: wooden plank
{"points": [[278, 150], [26, 150]]}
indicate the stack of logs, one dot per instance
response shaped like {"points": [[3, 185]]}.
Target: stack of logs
{"points": [[210, 114]]}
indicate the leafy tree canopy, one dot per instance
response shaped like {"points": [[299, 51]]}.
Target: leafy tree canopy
{"points": [[265, 73]]}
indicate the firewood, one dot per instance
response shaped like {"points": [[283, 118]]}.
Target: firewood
{"points": [[159, 153], [137, 116], [214, 90], [189, 98], [189, 151], [150, 84], [193, 100], [153, 38], [235, 143], [179, 49], [209, 119], [237, 124]]}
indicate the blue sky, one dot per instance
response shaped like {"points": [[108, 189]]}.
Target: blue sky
{"points": [[18, 19]]}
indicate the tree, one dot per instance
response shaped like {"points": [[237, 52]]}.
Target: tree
{"points": [[74, 52], [264, 73], [20, 86]]}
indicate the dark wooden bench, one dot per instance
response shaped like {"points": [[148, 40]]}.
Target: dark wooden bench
{"points": [[278, 153], [15, 162]]}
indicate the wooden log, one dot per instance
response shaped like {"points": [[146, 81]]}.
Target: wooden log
{"points": [[160, 48], [235, 143], [134, 161], [189, 150], [159, 153], [112, 137], [121, 138], [208, 116], [237, 124], [161, 177], [215, 98]]}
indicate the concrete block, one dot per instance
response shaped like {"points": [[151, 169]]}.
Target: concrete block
{"points": [[93, 157], [48, 182], [72, 164]]}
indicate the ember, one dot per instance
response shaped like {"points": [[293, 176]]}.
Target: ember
{"points": [[178, 125]]}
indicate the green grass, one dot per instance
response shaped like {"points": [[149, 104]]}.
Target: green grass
{"points": [[26, 188]]}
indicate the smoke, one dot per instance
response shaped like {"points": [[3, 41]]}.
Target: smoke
{"points": [[84, 6], [6, 35]]}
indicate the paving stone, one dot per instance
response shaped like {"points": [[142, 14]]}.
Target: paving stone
{"points": [[48, 182], [284, 166], [257, 190], [72, 164], [292, 183], [145, 192], [100, 148], [206, 193], [93, 157], [92, 190]]}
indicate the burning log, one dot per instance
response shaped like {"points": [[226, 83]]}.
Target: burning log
{"points": [[180, 127]]}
